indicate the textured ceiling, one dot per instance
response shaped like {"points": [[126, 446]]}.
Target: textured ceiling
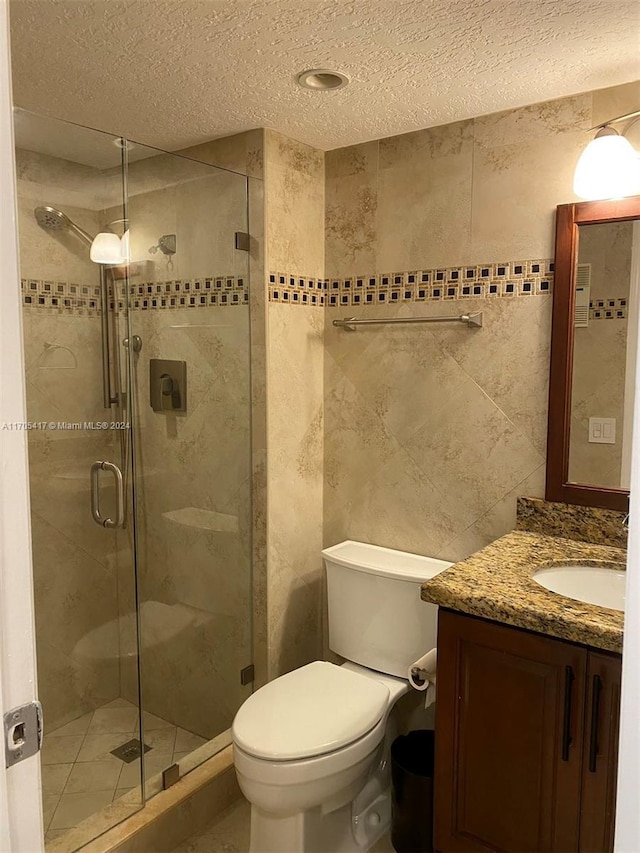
{"points": [[172, 73]]}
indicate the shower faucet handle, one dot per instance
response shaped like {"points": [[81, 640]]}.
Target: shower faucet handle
{"points": [[167, 385]]}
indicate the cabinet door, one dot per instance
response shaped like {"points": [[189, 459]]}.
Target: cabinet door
{"points": [[509, 729], [601, 753]]}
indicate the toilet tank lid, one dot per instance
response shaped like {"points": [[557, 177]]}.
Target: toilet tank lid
{"points": [[311, 711], [385, 562]]}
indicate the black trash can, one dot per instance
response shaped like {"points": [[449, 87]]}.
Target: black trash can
{"points": [[412, 762]]}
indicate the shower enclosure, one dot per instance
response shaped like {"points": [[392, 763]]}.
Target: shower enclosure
{"points": [[136, 335]]}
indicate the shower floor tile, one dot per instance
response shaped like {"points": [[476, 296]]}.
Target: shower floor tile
{"points": [[79, 774]]}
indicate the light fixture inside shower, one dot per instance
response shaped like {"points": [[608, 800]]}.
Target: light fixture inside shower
{"points": [[108, 248]]}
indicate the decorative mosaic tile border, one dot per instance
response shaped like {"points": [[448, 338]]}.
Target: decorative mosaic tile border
{"points": [[179, 293], [284, 287], [60, 295], [509, 278], [608, 309]]}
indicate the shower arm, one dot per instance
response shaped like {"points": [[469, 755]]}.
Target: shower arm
{"points": [[84, 235]]}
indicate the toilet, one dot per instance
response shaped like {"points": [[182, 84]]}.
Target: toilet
{"points": [[311, 747]]}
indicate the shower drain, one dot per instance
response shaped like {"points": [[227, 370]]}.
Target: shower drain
{"points": [[129, 751]]}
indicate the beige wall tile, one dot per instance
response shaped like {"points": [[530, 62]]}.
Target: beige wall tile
{"points": [[424, 197], [294, 197], [240, 153], [523, 168], [294, 183], [615, 101], [351, 204], [467, 410]]}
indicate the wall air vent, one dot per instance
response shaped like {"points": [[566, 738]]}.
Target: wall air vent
{"points": [[583, 295]]}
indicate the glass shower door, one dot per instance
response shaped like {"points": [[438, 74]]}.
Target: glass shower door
{"points": [[189, 296], [70, 187], [137, 359]]}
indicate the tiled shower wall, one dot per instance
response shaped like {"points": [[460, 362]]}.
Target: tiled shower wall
{"points": [[431, 432]]}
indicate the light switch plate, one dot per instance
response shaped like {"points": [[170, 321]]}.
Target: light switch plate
{"points": [[602, 430]]}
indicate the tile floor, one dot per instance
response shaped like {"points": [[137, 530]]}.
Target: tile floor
{"points": [[229, 833], [79, 774]]}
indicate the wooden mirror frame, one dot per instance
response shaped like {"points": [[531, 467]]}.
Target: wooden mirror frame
{"points": [[568, 218]]}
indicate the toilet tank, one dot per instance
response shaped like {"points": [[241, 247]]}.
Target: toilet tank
{"points": [[376, 615]]}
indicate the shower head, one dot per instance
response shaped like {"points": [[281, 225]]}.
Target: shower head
{"points": [[55, 220]]}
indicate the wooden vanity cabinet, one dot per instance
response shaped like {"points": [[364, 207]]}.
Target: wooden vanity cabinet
{"points": [[519, 766], [600, 763]]}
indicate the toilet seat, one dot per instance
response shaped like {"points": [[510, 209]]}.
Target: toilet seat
{"points": [[310, 712], [305, 770]]}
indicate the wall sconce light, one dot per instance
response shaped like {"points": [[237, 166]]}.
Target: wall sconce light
{"points": [[609, 167], [108, 248]]}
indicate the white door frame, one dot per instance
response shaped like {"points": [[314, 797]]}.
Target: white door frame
{"points": [[21, 825], [627, 837]]}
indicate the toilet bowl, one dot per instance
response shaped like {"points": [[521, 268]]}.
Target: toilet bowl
{"points": [[311, 747]]}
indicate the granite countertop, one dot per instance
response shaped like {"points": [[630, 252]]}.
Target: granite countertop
{"points": [[495, 583]]}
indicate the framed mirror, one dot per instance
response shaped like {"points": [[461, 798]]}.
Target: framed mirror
{"points": [[594, 339]]}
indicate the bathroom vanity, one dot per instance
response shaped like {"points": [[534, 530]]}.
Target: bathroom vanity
{"points": [[527, 739], [528, 691]]}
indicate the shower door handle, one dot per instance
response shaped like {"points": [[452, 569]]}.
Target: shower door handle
{"points": [[95, 494]]}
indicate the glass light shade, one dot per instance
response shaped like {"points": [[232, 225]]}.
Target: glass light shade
{"points": [[608, 168], [106, 249], [125, 247]]}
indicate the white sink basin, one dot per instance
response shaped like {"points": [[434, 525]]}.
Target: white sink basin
{"points": [[601, 585]]}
